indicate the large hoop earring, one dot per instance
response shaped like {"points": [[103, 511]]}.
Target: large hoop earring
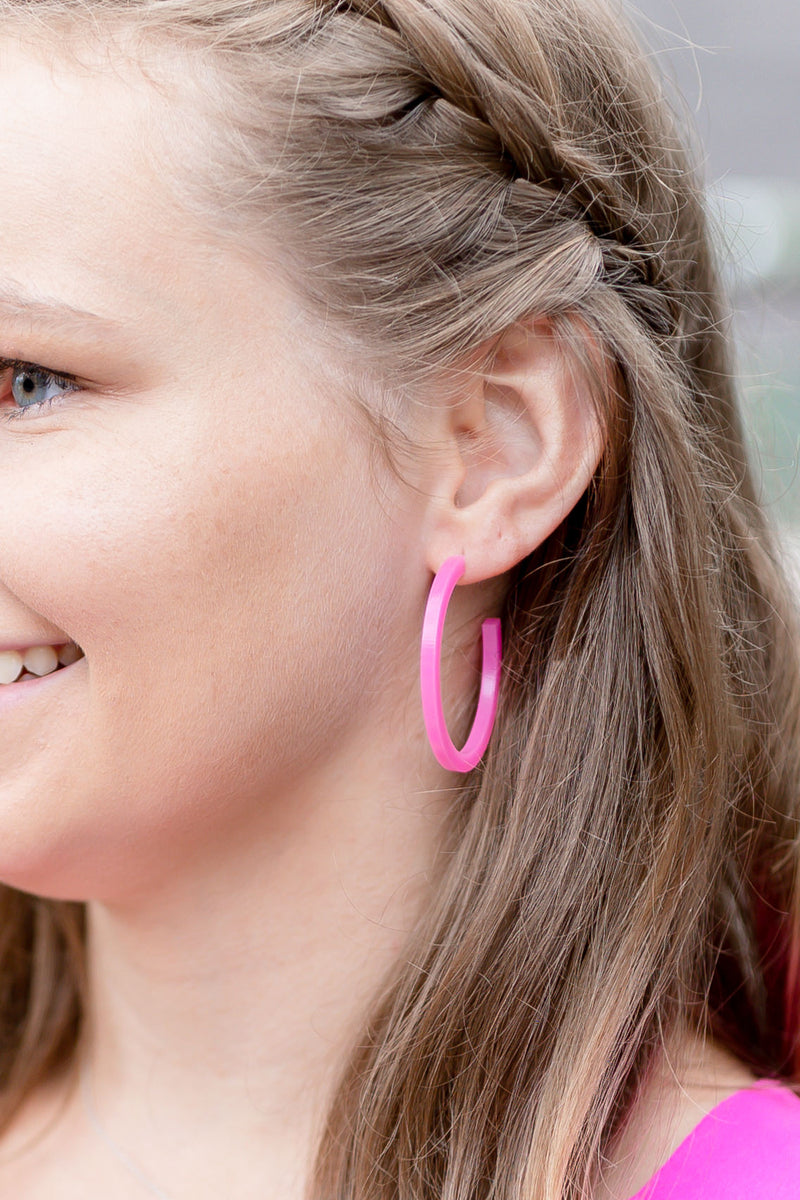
{"points": [[465, 759]]}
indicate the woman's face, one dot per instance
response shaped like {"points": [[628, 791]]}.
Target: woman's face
{"points": [[199, 516]]}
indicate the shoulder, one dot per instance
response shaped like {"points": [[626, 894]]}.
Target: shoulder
{"points": [[745, 1148]]}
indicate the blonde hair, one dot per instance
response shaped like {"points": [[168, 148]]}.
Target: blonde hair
{"points": [[625, 861]]}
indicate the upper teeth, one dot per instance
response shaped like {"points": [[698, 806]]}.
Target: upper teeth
{"points": [[39, 660]]}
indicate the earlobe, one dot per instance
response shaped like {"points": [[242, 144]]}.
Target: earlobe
{"points": [[529, 440]]}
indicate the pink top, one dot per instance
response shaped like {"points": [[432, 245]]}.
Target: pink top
{"points": [[746, 1148]]}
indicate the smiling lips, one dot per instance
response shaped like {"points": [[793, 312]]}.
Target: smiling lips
{"points": [[18, 665]]}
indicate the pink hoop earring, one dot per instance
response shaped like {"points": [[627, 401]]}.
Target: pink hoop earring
{"points": [[465, 759]]}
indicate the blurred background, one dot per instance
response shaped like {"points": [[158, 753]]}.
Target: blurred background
{"points": [[737, 65]]}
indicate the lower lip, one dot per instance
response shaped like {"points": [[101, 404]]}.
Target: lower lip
{"points": [[17, 693]]}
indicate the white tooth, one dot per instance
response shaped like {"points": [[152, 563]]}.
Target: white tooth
{"points": [[40, 660], [69, 654], [10, 665]]}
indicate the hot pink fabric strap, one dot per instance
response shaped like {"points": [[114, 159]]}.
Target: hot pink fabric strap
{"points": [[747, 1148]]}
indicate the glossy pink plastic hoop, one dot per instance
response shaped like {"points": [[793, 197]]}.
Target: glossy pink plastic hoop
{"points": [[465, 759]]}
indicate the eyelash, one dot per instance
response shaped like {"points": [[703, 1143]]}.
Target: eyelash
{"points": [[39, 406]]}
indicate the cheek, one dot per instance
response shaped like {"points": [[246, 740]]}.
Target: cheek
{"points": [[226, 608]]}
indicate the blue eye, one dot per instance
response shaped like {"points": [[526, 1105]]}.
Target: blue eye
{"points": [[28, 390]]}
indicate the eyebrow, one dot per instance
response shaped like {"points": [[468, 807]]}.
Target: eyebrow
{"points": [[15, 304]]}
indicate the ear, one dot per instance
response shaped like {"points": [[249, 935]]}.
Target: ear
{"points": [[520, 445]]}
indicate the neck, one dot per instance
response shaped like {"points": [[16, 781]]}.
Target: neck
{"points": [[223, 1003]]}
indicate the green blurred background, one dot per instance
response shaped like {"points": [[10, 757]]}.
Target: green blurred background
{"points": [[736, 67]]}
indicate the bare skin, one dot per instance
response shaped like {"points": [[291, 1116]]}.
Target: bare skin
{"points": [[39, 1146], [674, 1101], [200, 517]]}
